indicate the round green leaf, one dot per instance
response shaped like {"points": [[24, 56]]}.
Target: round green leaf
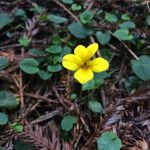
{"points": [[110, 17], [3, 118], [95, 106], [125, 17], [54, 49], [76, 7], [8, 100], [54, 68], [5, 19], [68, 122], [67, 1], [78, 31], [17, 127], [24, 41], [45, 75], [103, 38], [127, 25], [148, 20], [141, 67], [131, 83], [56, 39], [86, 17], [73, 96], [109, 141], [123, 34], [56, 19], [37, 52], [3, 63], [29, 65]]}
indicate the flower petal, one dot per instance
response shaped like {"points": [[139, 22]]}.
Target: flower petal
{"points": [[91, 49], [86, 53], [98, 64], [81, 51], [83, 75], [72, 62]]}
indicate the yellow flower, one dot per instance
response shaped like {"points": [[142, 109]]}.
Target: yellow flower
{"points": [[81, 63]]}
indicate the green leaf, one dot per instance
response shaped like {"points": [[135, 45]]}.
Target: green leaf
{"points": [[132, 83], [56, 19], [37, 9], [86, 17], [24, 41], [66, 50], [37, 52], [125, 17], [148, 20], [56, 39], [110, 17], [5, 19], [67, 1], [95, 106], [3, 118], [105, 52], [89, 85], [45, 75], [54, 49], [109, 141], [101, 75], [29, 65], [96, 82], [54, 68], [78, 30], [21, 144], [68, 122], [127, 25], [141, 67], [123, 34], [20, 13], [3, 63], [2, 148], [8, 100], [76, 7], [103, 38], [17, 127], [73, 96]]}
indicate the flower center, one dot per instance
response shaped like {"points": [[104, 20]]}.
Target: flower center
{"points": [[84, 66]]}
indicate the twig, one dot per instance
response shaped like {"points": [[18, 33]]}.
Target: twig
{"points": [[9, 46], [60, 98], [47, 116], [41, 97], [130, 51], [21, 90], [66, 9]]}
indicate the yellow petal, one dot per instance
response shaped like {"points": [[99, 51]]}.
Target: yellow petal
{"points": [[83, 75], [91, 49], [98, 65], [86, 53], [72, 62], [81, 51]]}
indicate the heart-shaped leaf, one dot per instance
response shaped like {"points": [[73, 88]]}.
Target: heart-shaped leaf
{"points": [[68, 122], [109, 141], [29, 65], [141, 67]]}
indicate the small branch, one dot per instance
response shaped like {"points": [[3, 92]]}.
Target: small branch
{"points": [[21, 90], [66, 9], [47, 116], [60, 98], [130, 51], [41, 97]]}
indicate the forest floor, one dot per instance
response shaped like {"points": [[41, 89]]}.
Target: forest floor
{"points": [[42, 106]]}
